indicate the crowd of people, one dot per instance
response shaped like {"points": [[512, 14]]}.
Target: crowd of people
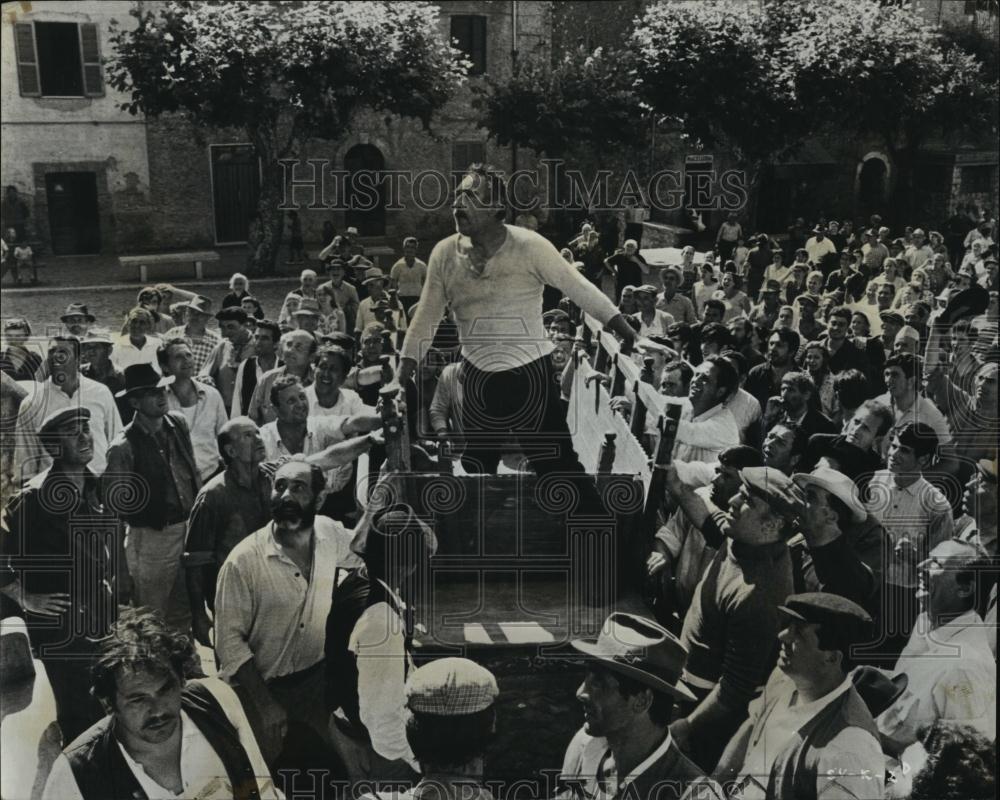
{"points": [[821, 584]]}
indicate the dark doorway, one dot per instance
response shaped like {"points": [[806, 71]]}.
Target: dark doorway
{"points": [[73, 213], [365, 191], [235, 191], [871, 188]]}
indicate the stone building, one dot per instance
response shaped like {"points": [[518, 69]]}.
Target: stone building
{"points": [[97, 180]]}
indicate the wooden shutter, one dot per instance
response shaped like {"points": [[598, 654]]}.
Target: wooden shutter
{"points": [[93, 80], [27, 60]]}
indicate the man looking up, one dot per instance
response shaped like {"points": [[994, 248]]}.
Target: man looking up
{"points": [[152, 461], [810, 735], [236, 345], [735, 607], [297, 351], [197, 313], [265, 358]]}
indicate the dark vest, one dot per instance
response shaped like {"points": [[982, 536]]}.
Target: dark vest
{"points": [[356, 593], [150, 465], [101, 771], [797, 765], [249, 382]]}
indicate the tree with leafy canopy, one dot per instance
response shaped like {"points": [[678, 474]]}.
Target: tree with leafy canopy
{"points": [[283, 74], [582, 109], [716, 70], [892, 75], [759, 79]]}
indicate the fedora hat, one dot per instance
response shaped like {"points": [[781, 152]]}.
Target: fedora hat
{"points": [[837, 484], [77, 310], [877, 689], [200, 304], [140, 377], [640, 649], [373, 274]]}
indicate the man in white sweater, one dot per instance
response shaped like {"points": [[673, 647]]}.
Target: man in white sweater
{"points": [[492, 276]]}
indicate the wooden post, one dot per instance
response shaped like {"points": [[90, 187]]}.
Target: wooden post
{"points": [[397, 440], [606, 455], [658, 483]]}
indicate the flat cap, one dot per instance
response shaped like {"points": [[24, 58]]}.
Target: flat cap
{"points": [[891, 316], [451, 687], [646, 288], [771, 285], [845, 617], [907, 332], [675, 270], [774, 486], [308, 306], [54, 421], [555, 315], [808, 298]]}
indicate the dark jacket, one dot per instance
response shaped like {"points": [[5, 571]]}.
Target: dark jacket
{"points": [[136, 474]]}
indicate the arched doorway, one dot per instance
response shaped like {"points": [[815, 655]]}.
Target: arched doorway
{"points": [[365, 192], [872, 180]]}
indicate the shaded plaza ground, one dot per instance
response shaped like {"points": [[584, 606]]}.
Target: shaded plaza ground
{"points": [[110, 291]]}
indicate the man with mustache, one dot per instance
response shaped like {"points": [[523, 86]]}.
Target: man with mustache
{"points": [[492, 276], [809, 734], [163, 736], [272, 600]]}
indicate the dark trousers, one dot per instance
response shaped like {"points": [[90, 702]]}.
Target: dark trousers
{"points": [[633, 230], [523, 403]]}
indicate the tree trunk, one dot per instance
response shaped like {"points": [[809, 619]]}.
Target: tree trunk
{"points": [[754, 172], [268, 226]]}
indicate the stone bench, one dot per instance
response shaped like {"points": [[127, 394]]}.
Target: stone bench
{"points": [[143, 263]]}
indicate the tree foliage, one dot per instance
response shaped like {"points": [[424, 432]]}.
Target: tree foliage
{"points": [[585, 101], [284, 73], [758, 79]]}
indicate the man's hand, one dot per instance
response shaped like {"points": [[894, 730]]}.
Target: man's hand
{"points": [[201, 625], [407, 369], [674, 484], [622, 405], [49, 605], [656, 563], [273, 723]]}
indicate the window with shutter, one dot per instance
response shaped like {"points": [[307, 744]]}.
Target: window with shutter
{"points": [[468, 34], [93, 81], [27, 60]]}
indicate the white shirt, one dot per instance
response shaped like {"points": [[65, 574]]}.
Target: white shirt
{"points": [[321, 432], [661, 322], [378, 642], [202, 771], [952, 676], [266, 610], [205, 419], [349, 402], [44, 398], [584, 758], [499, 311], [125, 354], [745, 408], [852, 759], [702, 438], [922, 410], [817, 249], [918, 513]]}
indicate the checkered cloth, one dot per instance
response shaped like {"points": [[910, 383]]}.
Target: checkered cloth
{"points": [[201, 346], [451, 687]]}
